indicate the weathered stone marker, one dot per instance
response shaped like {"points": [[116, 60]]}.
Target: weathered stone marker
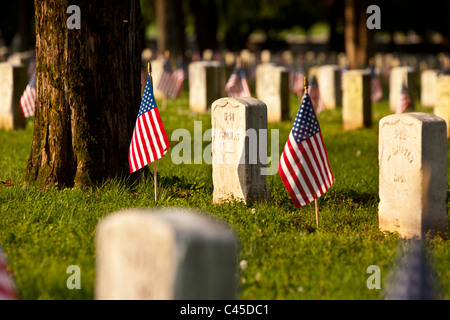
{"points": [[397, 77], [157, 71], [428, 87], [356, 102], [237, 143], [207, 81], [329, 81], [13, 81], [272, 87], [442, 105], [412, 158], [412, 279], [164, 254]]}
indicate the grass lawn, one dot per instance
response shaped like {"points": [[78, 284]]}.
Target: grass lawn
{"points": [[45, 232]]}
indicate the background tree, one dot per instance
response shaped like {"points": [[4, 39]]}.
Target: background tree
{"points": [[359, 40], [88, 91], [171, 25]]}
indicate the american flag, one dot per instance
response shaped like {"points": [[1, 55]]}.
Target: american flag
{"points": [[237, 84], [314, 94], [404, 100], [304, 166], [7, 285], [376, 90], [296, 81], [28, 99], [171, 82], [149, 142]]}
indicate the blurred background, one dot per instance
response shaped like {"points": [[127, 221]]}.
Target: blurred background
{"points": [[187, 26]]}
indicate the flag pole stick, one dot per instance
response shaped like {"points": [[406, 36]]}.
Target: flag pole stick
{"points": [[316, 202], [155, 172]]}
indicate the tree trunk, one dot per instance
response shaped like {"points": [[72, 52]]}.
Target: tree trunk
{"points": [[88, 91], [170, 22], [206, 25], [359, 40]]}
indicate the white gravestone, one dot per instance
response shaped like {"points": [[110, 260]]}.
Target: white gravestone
{"points": [[272, 87], [442, 106], [428, 87], [397, 76], [412, 158], [329, 81], [207, 81], [157, 71], [164, 254], [356, 102], [238, 148], [13, 81]]}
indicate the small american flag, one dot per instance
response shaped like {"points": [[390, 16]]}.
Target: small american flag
{"points": [[28, 99], [237, 84], [314, 94], [8, 289], [376, 90], [149, 142], [296, 81], [304, 166], [404, 100], [171, 82]]}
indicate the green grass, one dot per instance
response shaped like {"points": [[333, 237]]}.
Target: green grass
{"points": [[45, 232]]}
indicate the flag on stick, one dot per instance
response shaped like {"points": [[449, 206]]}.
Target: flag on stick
{"points": [[28, 99], [304, 166], [237, 85], [376, 90], [171, 82], [315, 97], [8, 289], [296, 81], [149, 142], [404, 100]]}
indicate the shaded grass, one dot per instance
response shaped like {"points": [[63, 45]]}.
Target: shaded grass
{"points": [[44, 232]]}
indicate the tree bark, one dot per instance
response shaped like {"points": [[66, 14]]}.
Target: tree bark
{"points": [[170, 22], [206, 25], [359, 40], [88, 92]]}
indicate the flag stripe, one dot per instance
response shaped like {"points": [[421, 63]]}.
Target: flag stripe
{"points": [[290, 183], [324, 159], [300, 173], [155, 143], [143, 126]]}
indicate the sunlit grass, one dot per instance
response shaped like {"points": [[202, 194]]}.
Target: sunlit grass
{"points": [[45, 232]]}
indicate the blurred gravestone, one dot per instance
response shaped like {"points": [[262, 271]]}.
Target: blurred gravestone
{"points": [[237, 145], [356, 102], [157, 71], [13, 81], [428, 87], [399, 75], [413, 174], [412, 279], [272, 87], [207, 81], [329, 81], [164, 254], [442, 105]]}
